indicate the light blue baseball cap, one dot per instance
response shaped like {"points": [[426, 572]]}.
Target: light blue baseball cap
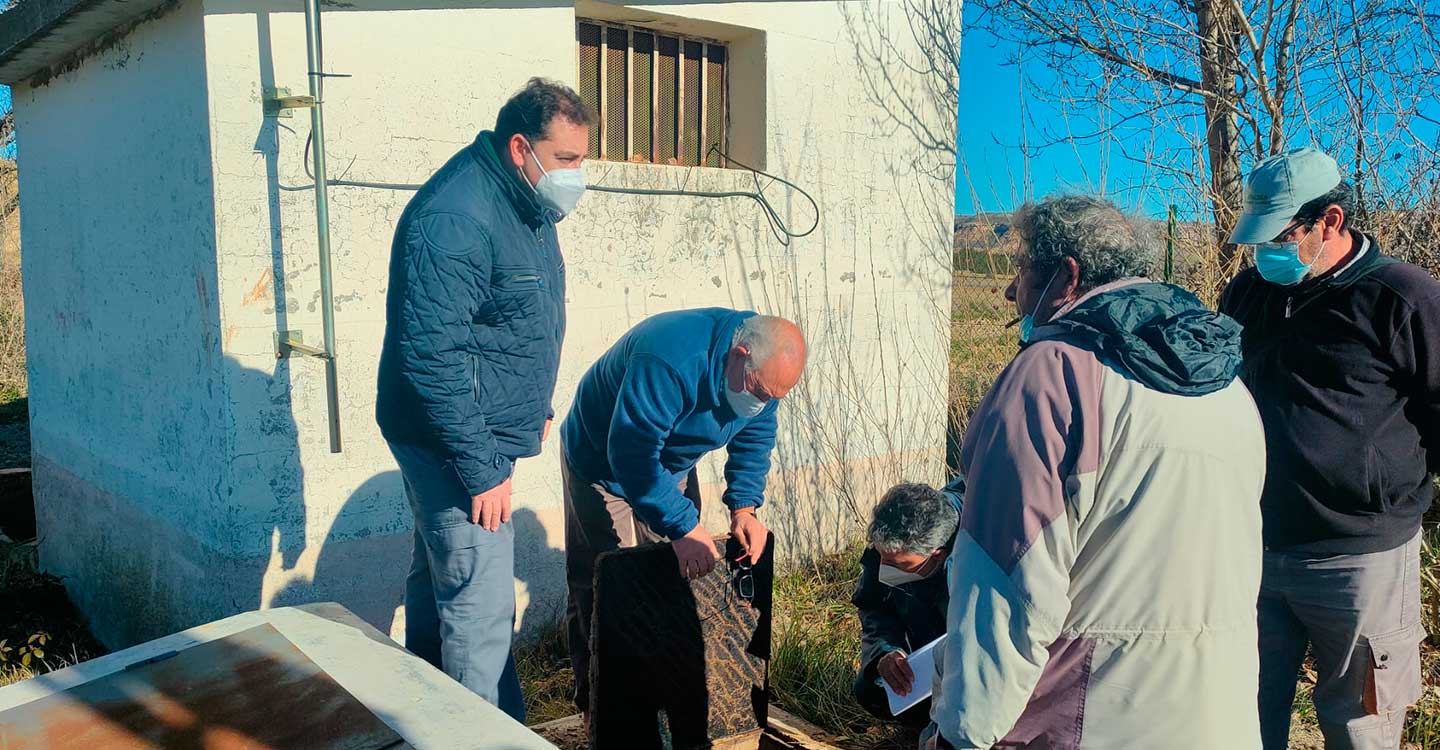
{"points": [[1277, 189]]}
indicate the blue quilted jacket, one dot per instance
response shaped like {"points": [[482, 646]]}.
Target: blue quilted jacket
{"points": [[474, 319]]}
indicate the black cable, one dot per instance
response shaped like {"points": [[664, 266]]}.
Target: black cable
{"points": [[772, 216], [778, 227]]}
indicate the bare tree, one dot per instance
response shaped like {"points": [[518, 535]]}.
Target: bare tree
{"points": [[1234, 81]]}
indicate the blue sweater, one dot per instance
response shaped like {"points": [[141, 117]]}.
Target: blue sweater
{"points": [[650, 407]]}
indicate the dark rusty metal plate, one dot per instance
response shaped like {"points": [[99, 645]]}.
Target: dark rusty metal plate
{"points": [[692, 652], [253, 690]]}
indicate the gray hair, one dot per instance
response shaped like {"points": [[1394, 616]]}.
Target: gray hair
{"points": [[914, 519], [760, 335], [1107, 244]]}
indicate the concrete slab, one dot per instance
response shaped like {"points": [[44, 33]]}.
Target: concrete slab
{"points": [[417, 701]]}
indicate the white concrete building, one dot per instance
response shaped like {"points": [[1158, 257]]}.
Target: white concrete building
{"points": [[183, 473]]}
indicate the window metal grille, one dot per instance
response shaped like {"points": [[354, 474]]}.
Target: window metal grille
{"points": [[659, 98]]}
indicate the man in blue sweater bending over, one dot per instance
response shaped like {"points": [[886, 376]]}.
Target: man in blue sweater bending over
{"points": [[677, 386]]}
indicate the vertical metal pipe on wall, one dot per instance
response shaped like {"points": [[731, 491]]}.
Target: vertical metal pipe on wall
{"points": [[316, 58]]}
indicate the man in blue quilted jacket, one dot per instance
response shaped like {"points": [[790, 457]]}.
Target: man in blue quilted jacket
{"points": [[474, 319]]}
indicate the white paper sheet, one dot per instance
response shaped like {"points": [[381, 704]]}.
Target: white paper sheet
{"points": [[922, 663]]}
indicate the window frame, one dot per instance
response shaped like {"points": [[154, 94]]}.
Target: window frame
{"points": [[703, 142]]}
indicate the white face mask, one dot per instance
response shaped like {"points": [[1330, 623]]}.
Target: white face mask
{"points": [[744, 403], [893, 576], [559, 189]]}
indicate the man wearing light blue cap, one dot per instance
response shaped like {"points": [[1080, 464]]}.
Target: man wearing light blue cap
{"points": [[1342, 353]]}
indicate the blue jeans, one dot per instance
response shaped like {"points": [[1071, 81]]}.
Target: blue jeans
{"points": [[1361, 616], [460, 594]]}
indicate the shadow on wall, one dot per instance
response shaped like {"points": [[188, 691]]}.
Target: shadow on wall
{"points": [[361, 564], [363, 560], [365, 556], [540, 565]]}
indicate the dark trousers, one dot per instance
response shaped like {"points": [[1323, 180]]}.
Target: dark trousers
{"points": [[596, 522]]}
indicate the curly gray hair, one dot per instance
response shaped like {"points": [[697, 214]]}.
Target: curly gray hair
{"points": [[1108, 244], [914, 519]]}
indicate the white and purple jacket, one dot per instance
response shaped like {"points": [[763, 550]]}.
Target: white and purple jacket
{"points": [[1105, 574]]}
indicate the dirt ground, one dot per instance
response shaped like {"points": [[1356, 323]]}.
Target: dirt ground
{"points": [[564, 734]]}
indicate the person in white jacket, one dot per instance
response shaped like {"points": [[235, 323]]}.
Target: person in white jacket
{"points": [[1105, 572]]}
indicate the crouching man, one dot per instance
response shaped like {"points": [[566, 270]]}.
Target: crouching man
{"points": [[902, 596]]}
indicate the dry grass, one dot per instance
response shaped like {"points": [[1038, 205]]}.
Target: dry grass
{"points": [[12, 330], [14, 417], [12, 305], [545, 675]]}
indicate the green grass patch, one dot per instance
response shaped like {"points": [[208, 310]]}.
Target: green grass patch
{"points": [[815, 651]]}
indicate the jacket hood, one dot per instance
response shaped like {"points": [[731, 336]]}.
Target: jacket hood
{"points": [[1158, 334]]}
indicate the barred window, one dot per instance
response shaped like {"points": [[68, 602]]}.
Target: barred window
{"points": [[660, 98]]}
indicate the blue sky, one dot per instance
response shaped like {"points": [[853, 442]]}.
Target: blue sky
{"points": [[997, 112], [990, 137], [9, 151]]}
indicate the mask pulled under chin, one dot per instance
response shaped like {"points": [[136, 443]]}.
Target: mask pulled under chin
{"points": [[1027, 322]]}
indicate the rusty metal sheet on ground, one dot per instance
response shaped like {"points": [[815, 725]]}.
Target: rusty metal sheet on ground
{"points": [[695, 652], [253, 690]]}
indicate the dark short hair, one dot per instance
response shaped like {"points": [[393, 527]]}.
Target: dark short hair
{"points": [[912, 518], [1342, 195], [530, 110]]}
